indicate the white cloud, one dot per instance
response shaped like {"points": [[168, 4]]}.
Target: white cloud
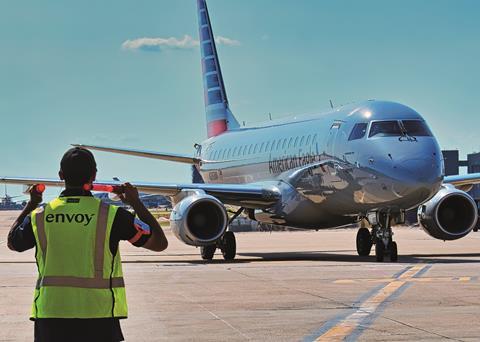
{"points": [[160, 44], [226, 41]]}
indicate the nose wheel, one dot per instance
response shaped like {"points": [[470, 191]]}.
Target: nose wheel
{"points": [[383, 239], [381, 251]]}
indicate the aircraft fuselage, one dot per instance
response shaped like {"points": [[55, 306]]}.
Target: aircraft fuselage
{"points": [[330, 175]]}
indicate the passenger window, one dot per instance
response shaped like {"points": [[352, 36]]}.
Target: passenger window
{"points": [[284, 145], [255, 150], [234, 153], [273, 146], [296, 142], [278, 144], [224, 152], [250, 149], [358, 131], [314, 139], [267, 146], [229, 152], [385, 129], [290, 143], [261, 147], [308, 140], [245, 150], [302, 141]]}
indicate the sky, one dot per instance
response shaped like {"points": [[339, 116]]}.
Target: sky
{"points": [[128, 73]]}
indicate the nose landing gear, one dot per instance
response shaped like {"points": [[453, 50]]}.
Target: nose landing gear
{"points": [[384, 245], [381, 236]]}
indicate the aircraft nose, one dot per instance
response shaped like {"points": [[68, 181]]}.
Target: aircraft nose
{"points": [[422, 170], [417, 175]]}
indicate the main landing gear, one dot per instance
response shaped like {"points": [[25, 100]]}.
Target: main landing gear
{"points": [[381, 236], [227, 244]]}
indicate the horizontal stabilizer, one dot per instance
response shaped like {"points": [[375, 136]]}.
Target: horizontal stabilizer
{"points": [[142, 153]]}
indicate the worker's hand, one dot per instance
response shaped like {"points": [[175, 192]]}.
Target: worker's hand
{"points": [[35, 197], [129, 195]]}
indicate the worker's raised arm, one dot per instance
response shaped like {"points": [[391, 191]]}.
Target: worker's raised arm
{"points": [[20, 236], [157, 241]]}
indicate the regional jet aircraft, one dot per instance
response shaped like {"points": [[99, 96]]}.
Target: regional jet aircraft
{"points": [[368, 162]]}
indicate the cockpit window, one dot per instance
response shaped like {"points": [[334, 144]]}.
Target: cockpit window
{"points": [[416, 128], [358, 131], [385, 129]]}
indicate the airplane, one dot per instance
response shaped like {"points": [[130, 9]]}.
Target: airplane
{"points": [[366, 163], [7, 202]]}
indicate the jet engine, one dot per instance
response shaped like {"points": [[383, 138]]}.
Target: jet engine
{"points": [[449, 215], [199, 219]]}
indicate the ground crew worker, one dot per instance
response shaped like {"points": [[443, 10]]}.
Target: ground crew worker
{"points": [[80, 292]]}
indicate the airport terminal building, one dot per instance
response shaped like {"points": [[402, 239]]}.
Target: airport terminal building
{"points": [[453, 165]]}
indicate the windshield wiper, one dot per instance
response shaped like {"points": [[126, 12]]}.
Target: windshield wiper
{"points": [[405, 136]]}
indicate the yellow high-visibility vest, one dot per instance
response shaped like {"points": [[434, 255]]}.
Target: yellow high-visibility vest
{"points": [[78, 277]]}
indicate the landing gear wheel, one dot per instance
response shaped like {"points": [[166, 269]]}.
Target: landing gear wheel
{"points": [[364, 242], [229, 246], [379, 251], [208, 252], [393, 251]]}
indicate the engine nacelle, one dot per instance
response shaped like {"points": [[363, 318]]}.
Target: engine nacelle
{"points": [[449, 215], [199, 219]]}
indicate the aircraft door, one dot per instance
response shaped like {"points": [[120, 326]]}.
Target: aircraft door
{"points": [[332, 139]]}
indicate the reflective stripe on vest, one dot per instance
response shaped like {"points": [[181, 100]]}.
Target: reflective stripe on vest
{"points": [[98, 282], [42, 237], [87, 283]]}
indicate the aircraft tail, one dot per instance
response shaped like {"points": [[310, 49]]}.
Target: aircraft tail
{"points": [[219, 116]]}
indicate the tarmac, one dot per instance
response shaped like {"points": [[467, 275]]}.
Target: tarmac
{"points": [[283, 286]]}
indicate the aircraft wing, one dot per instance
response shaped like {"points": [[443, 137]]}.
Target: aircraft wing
{"points": [[143, 153], [257, 196], [463, 181]]}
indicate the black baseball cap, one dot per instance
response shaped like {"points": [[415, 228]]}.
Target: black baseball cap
{"points": [[78, 166]]}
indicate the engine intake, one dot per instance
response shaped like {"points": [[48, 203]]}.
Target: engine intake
{"points": [[449, 215], [199, 220]]}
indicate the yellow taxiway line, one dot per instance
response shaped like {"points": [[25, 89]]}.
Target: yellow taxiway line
{"points": [[418, 280], [347, 326]]}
